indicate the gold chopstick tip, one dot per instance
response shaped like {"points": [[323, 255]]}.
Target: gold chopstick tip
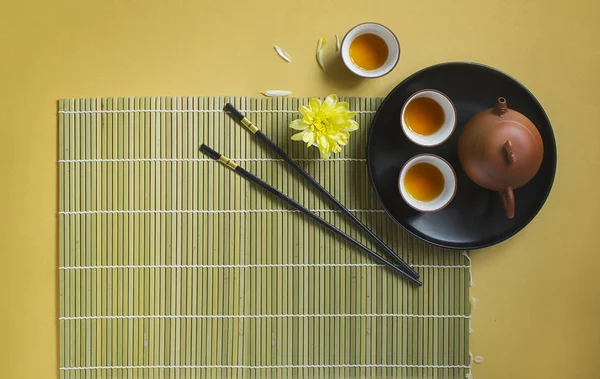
{"points": [[228, 162], [249, 125]]}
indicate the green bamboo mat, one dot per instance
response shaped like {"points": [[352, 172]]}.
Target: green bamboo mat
{"points": [[172, 266]]}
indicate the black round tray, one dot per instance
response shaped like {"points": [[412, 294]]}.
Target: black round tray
{"points": [[474, 219]]}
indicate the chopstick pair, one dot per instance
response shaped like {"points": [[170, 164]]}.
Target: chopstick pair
{"points": [[255, 179], [238, 116]]}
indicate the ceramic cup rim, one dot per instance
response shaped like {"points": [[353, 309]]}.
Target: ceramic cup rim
{"points": [[449, 131], [407, 164], [369, 74]]}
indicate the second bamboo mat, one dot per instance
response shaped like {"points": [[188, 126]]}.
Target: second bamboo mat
{"points": [[172, 266]]}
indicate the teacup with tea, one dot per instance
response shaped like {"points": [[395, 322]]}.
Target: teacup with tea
{"points": [[370, 50], [427, 183], [428, 117]]}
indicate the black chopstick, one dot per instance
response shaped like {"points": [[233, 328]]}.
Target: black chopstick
{"points": [[255, 179], [238, 116]]}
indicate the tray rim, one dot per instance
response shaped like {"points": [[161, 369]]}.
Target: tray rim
{"points": [[545, 195]]}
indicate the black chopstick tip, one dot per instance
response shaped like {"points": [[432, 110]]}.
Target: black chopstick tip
{"points": [[210, 152], [237, 115]]}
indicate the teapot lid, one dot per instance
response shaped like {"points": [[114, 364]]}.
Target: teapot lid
{"points": [[500, 148]]}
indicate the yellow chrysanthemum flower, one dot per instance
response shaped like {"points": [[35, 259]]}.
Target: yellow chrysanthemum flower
{"points": [[327, 124]]}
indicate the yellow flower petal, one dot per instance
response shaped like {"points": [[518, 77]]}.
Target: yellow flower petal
{"points": [[341, 106], [330, 102], [304, 110], [353, 125], [299, 124], [315, 106], [298, 136], [322, 140], [308, 137], [310, 140], [320, 46], [340, 136], [339, 120]]}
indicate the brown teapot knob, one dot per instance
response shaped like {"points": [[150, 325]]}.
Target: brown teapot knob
{"points": [[509, 152]]}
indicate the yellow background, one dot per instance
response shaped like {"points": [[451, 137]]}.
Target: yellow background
{"points": [[538, 293]]}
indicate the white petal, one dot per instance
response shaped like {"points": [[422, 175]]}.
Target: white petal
{"points": [[276, 93], [282, 53]]}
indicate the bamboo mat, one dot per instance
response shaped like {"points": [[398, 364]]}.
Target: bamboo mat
{"points": [[172, 266]]}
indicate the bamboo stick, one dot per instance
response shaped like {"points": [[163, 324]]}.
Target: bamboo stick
{"points": [[119, 237], [279, 277], [73, 235], [96, 136], [254, 244], [193, 234], [221, 290], [69, 238], [157, 246], [197, 243], [233, 248], [267, 255], [186, 254], [77, 248], [242, 288], [87, 237], [92, 256], [63, 295], [208, 235]]}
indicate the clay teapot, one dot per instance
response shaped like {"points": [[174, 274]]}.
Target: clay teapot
{"points": [[500, 149]]}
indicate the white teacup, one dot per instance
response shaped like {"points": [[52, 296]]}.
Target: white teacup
{"points": [[382, 32], [447, 193], [447, 127]]}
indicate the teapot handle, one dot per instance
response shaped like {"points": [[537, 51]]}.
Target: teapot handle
{"points": [[507, 197]]}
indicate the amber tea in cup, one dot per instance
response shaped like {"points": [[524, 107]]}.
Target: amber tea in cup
{"points": [[427, 183], [370, 50], [424, 116], [424, 181], [428, 117]]}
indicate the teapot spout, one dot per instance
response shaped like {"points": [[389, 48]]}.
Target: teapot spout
{"points": [[500, 108]]}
